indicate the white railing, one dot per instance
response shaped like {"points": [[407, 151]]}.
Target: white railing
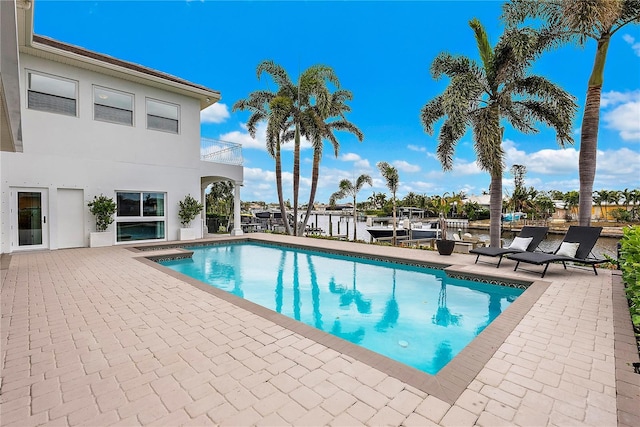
{"points": [[214, 150]]}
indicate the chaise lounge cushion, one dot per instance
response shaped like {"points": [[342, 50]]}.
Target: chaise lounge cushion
{"points": [[567, 249], [520, 243]]}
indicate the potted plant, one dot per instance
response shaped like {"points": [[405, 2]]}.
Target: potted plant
{"points": [[103, 208], [444, 245], [189, 209]]}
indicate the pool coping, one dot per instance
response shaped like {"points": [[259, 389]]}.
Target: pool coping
{"points": [[448, 384]]}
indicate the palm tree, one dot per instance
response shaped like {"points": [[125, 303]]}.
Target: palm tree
{"points": [[578, 21], [390, 174], [348, 188], [274, 108], [289, 107], [377, 200], [571, 201], [635, 200], [410, 199], [312, 86], [481, 95], [320, 129], [627, 196], [599, 197]]}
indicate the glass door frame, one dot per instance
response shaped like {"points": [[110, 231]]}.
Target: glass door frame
{"points": [[44, 218]]}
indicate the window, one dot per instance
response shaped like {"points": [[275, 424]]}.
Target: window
{"points": [[140, 216], [52, 94], [112, 106], [162, 116]]}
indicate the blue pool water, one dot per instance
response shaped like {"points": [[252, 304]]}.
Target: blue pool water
{"points": [[414, 315]]}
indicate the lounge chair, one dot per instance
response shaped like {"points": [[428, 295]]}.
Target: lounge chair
{"points": [[576, 247], [520, 244]]}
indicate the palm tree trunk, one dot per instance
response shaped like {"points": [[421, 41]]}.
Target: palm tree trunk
{"points": [[314, 186], [296, 179], [355, 218], [589, 135], [495, 209], [283, 211], [393, 239]]}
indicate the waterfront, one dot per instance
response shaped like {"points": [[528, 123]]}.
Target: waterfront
{"points": [[342, 225]]}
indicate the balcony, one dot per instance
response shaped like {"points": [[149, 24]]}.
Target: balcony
{"points": [[214, 150]]}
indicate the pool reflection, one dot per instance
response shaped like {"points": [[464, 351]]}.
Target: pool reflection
{"points": [[418, 316]]}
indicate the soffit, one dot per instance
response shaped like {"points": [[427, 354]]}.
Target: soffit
{"points": [[6, 141]]}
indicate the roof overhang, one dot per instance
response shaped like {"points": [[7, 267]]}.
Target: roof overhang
{"points": [[10, 111]]}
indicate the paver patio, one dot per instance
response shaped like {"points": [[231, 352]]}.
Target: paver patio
{"points": [[96, 337]]}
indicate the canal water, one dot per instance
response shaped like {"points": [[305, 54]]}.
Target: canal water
{"points": [[343, 226]]}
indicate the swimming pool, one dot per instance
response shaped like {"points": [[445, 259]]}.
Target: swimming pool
{"points": [[412, 314]]}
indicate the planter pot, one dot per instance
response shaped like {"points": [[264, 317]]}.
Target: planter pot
{"points": [[187, 234], [445, 247], [100, 239]]}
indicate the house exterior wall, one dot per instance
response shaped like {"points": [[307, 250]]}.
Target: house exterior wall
{"points": [[96, 157]]}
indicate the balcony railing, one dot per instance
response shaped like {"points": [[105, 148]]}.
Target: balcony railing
{"points": [[214, 150]]}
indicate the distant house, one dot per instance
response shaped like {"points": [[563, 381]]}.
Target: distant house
{"points": [[482, 200], [77, 124], [603, 212]]}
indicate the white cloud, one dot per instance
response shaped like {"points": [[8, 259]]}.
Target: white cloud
{"points": [[416, 148], [420, 186], [622, 163], [463, 167], [243, 138], [614, 168], [611, 98], [625, 119], [349, 157], [258, 183], [362, 164], [632, 42], [358, 162], [546, 161], [260, 141], [216, 113], [405, 166]]}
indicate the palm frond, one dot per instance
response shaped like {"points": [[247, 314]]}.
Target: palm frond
{"points": [[362, 180], [482, 40], [487, 135], [252, 122], [449, 65], [390, 174], [276, 71], [430, 113], [450, 133]]}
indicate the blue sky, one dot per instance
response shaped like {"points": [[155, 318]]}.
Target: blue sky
{"points": [[381, 51]]}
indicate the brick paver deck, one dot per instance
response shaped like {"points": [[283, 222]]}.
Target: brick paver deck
{"points": [[96, 337]]}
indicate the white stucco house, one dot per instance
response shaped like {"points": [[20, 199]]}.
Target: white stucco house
{"points": [[77, 124]]}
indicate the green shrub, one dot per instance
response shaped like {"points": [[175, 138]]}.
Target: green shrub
{"points": [[621, 215], [189, 209], [630, 266], [103, 208]]}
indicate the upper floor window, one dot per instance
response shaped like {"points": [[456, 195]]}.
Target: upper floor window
{"points": [[112, 106], [53, 94], [162, 116]]}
